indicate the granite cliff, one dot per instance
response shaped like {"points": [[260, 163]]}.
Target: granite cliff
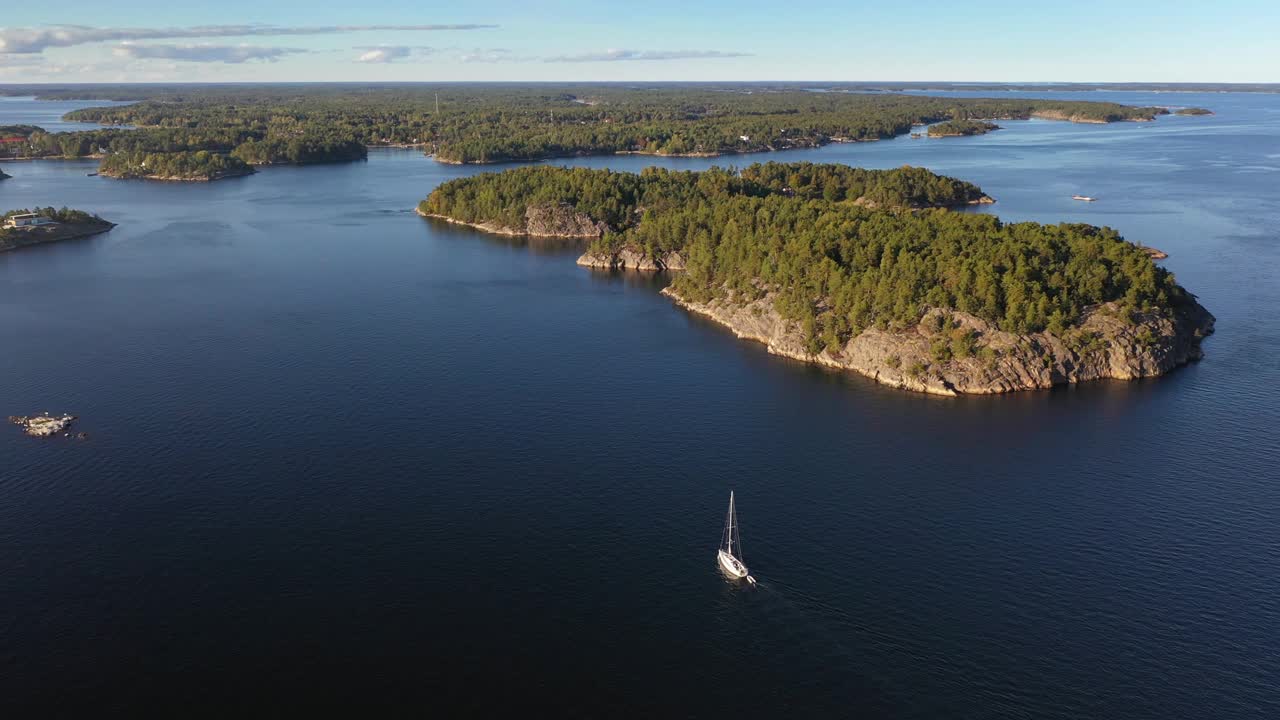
{"points": [[954, 353]]}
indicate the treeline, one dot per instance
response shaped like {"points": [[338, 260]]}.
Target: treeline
{"points": [[838, 269], [300, 146], [198, 165], [622, 199], [17, 132], [906, 186], [299, 150], [952, 128], [481, 124], [833, 265], [63, 215]]}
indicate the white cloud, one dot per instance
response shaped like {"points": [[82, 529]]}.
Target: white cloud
{"points": [[489, 55], [390, 53], [616, 55], [234, 54], [36, 40], [7, 61]]}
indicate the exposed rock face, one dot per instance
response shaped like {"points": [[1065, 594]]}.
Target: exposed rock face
{"points": [[1103, 346], [561, 220], [558, 221], [43, 425], [631, 259]]}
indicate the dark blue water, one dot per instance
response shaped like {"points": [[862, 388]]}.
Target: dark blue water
{"points": [[47, 113], [342, 458]]}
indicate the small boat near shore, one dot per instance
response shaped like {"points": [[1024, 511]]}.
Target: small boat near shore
{"points": [[1084, 198], [730, 552]]}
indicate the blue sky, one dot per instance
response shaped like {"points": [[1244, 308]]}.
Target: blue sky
{"points": [[402, 40]]}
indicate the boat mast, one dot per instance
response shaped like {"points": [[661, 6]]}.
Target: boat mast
{"points": [[737, 534], [729, 529]]}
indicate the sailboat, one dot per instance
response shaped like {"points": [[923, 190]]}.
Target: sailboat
{"points": [[730, 550]]}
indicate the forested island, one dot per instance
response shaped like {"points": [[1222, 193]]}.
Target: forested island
{"points": [[861, 270], [960, 128], [1193, 111], [502, 123], [50, 224], [198, 166]]}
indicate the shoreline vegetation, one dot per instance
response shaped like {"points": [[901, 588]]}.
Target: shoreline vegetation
{"points": [[961, 128], [62, 224], [483, 125], [863, 270], [1193, 111], [200, 166], [180, 153]]}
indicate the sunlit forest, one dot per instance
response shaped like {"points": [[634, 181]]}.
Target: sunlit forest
{"points": [[835, 262]]}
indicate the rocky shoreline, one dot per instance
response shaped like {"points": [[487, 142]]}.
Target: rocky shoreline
{"points": [[40, 234], [629, 259], [920, 359], [542, 221], [176, 178], [1102, 346], [944, 352]]}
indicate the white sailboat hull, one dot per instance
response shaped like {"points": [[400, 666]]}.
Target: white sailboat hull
{"points": [[731, 565]]}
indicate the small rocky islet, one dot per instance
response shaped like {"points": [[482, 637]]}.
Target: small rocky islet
{"points": [[46, 425], [1137, 323]]}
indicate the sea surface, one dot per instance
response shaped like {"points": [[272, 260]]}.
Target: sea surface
{"points": [[47, 114], [342, 458]]}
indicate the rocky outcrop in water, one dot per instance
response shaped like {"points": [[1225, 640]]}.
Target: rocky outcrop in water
{"points": [[44, 425], [953, 353]]}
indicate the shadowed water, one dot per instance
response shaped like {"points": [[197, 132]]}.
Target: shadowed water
{"points": [[342, 457]]}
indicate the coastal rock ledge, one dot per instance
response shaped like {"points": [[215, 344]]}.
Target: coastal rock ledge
{"points": [[1104, 345], [545, 220], [631, 259]]}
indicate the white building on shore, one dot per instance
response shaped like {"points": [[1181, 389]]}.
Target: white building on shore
{"points": [[27, 220]]}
